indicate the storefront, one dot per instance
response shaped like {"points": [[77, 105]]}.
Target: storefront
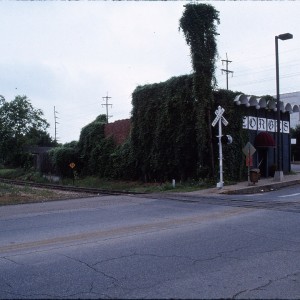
{"points": [[260, 120]]}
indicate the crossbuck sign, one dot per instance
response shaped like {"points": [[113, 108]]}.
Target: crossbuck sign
{"points": [[220, 119], [219, 112]]}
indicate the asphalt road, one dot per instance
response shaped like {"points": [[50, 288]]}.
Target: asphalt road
{"points": [[153, 247]]}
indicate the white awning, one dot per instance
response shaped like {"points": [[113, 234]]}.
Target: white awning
{"points": [[261, 102]]}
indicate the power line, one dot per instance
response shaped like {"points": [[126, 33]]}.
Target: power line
{"points": [[266, 69], [226, 70]]}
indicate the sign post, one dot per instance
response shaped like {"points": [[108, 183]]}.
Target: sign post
{"points": [[72, 166], [220, 119], [249, 150]]}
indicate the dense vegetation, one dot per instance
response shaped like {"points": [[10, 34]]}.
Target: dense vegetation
{"points": [[163, 144], [199, 27], [94, 155], [21, 125], [165, 137]]}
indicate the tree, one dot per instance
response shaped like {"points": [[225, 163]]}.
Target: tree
{"points": [[40, 138], [90, 136], [199, 27], [62, 156], [20, 124]]}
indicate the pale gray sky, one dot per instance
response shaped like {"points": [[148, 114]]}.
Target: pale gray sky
{"points": [[71, 54]]}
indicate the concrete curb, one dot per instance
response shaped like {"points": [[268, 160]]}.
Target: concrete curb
{"points": [[261, 188]]}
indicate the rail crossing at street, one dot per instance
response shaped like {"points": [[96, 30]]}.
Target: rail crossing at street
{"points": [[220, 119]]}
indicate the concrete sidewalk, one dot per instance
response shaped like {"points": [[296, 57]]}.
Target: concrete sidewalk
{"points": [[263, 185]]}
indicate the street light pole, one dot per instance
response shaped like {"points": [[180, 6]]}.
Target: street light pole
{"points": [[279, 173]]}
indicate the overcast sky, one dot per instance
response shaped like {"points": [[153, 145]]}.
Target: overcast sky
{"points": [[71, 54]]}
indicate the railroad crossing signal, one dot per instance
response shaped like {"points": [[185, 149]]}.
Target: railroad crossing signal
{"points": [[226, 139], [220, 119], [219, 112]]}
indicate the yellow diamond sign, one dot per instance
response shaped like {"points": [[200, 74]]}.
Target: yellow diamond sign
{"points": [[72, 165], [249, 149]]}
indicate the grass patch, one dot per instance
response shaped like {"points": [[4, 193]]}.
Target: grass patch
{"points": [[12, 173], [137, 186], [110, 184]]}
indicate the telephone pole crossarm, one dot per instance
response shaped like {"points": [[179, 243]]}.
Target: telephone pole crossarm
{"points": [[106, 105], [226, 70]]}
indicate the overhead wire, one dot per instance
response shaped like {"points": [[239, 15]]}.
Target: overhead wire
{"points": [[240, 74]]}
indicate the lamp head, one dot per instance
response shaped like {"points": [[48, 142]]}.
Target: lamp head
{"points": [[285, 36]]}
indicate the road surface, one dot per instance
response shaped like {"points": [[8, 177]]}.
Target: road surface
{"points": [[157, 246]]}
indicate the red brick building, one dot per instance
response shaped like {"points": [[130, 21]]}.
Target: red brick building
{"points": [[118, 130]]}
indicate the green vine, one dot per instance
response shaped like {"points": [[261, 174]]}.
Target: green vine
{"points": [[163, 134], [199, 27]]}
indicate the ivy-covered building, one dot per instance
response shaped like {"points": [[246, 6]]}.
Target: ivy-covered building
{"points": [[167, 131]]}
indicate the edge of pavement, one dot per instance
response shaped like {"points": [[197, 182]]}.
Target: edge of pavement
{"points": [[245, 187]]}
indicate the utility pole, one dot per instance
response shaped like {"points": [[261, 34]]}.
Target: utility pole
{"points": [[106, 104], [55, 122], [226, 70]]}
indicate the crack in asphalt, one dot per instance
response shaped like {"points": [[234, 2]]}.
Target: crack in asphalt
{"points": [[221, 255], [92, 268], [10, 260], [143, 254], [239, 293], [128, 290], [116, 282], [263, 286], [8, 284]]}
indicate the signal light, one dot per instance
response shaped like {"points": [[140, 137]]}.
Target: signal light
{"points": [[226, 139]]}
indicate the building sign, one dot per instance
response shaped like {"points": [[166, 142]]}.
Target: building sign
{"points": [[252, 123], [285, 127], [272, 125], [263, 124]]}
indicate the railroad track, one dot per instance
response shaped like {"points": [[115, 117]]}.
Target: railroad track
{"points": [[66, 188], [280, 205], [223, 201]]}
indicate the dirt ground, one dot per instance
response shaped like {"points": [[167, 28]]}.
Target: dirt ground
{"points": [[21, 195]]}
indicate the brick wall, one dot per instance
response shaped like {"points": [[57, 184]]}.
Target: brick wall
{"points": [[119, 130]]}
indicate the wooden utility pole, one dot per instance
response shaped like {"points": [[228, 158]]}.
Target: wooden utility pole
{"points": [[226, 70], [106, 104], [55, 122]]}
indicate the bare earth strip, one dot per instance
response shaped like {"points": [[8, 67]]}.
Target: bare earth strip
{"points": [[10, 195]]}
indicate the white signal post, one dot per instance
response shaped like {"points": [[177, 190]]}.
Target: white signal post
{"points": [[220, 119]]}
